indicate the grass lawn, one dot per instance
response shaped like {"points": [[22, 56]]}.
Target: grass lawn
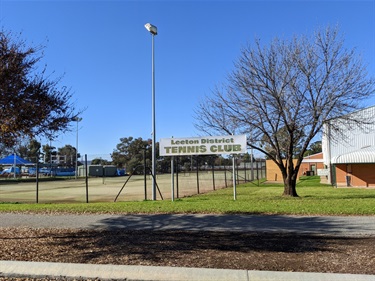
{"points": [[315, 199]]}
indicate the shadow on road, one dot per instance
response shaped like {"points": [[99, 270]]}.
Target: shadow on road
{"points": [[342, 226], [275, 242]]}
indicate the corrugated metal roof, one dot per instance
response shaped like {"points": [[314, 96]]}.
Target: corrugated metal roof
{"points": [[364, 155]]}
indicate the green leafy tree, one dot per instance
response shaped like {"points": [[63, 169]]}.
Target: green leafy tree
{"points": [[129, 153], [29, 149], [99, 161], [31, 103], [48, 151], [68, 152], [33, 150], [186, 163], [21, 150], [314, 148], [247, 157], [291, 85]]}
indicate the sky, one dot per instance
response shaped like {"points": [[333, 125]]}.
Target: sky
{"points": [[103, 51]]}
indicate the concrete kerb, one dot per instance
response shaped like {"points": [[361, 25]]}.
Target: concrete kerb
{"points": [[156, 273]]}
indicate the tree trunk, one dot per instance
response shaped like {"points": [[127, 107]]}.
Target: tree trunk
{"points": [[290, 186]]}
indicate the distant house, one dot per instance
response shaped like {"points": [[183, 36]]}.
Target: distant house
{"points": [[350, 156], [309, 166]]}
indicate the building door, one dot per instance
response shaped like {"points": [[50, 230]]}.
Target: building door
{"points": [[313, 168]]}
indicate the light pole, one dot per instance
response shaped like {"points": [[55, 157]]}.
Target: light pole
{"points": [[154, 31], [77, 119]]}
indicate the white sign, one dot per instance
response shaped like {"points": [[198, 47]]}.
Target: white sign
{"points": [[323, 172], [203, 145]]}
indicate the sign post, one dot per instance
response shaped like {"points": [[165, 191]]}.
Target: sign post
{"points": [[234, 179], [172, 178]]}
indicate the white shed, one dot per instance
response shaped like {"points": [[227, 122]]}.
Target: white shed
{"points": [[349, 154]]}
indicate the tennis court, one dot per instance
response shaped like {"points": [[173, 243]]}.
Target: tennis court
{"points": [[105, 189]]}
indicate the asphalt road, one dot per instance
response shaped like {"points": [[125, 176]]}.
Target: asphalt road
{"points": [[322, 225]]}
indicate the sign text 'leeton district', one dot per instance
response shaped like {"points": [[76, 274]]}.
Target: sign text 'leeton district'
{"points": [[203, 145]]}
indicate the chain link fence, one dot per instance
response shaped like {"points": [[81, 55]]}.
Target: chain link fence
{"points": [[106, 183]]}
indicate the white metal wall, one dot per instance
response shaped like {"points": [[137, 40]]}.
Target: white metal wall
{"points": [[352, 139]]}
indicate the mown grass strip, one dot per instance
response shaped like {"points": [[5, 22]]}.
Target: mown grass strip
{"points": [[315, 199]]}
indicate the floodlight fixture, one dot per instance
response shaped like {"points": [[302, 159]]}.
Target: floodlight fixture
{"points": [[151, 28]]}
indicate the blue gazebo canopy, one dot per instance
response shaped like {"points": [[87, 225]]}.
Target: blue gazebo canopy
{"points": [[14, 159]]}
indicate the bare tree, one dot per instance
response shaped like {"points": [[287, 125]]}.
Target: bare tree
{"points": [[290, 86], [31, 104]]}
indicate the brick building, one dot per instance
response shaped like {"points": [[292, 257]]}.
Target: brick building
{"points": [[309, 166]]}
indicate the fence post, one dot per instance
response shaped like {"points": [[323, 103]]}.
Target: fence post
{"points": [[225, 176], [213, 173], [177, 163], [86, 180], [37, 179], [144, 173], [237, 176], [197, 174], [245, 169], [172, 178]]}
